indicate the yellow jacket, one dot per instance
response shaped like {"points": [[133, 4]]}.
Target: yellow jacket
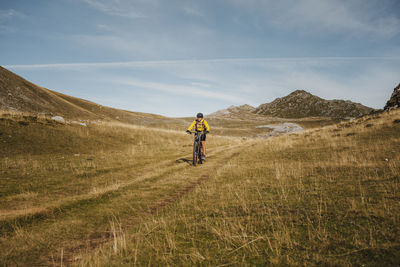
{"points": [[200, 125]]}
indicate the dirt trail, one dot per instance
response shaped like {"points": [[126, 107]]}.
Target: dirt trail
{"points": [[152, 189], [215, 160], [53, 209]]}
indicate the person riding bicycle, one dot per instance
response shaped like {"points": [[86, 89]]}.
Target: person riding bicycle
{"points": [[200, 125]]}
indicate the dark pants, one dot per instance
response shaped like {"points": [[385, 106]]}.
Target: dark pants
{"points": [[203, 137]]}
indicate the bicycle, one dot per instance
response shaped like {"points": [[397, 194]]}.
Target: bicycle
{"points": [[197, 148]]}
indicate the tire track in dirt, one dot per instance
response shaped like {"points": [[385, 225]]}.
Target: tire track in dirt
{"points": [[162, 171], [186, 190], [97, 240], [7, 226]]}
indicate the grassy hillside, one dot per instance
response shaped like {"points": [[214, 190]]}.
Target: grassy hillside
{"points": [[20, 95], [326, 197], [62, 185], [119, 194]]}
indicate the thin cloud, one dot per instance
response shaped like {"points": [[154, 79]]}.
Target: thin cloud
{"points": [[112, 42], [114, 8], [193, 11], [356, 17], [340, 16], [6, 29], [180, 90], [235, 81], [194, 61], [10, 13]]}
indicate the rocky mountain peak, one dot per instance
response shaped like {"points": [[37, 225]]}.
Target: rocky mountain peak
{"points": [[394, 101], [300, 104], [300, 93]]}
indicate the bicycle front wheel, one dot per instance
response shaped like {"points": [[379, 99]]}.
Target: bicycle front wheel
{"points": [[195, 155]]}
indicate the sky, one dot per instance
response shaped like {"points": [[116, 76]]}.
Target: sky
{"points": [[180, 57]]}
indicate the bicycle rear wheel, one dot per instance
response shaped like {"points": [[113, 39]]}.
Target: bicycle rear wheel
{"points": [[199, 153]]}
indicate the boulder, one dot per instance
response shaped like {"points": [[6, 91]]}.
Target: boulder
{"points": [[58, 119]]}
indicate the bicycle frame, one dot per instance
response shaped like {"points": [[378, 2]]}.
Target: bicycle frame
{"points": [[197, 148]]}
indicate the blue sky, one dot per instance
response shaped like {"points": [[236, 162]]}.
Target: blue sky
{"points": [[179, 57]]}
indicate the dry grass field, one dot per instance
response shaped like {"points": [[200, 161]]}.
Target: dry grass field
{"points": [[122, 195], [62, 185]]}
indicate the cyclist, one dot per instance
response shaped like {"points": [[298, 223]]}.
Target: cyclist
{"points": [[201, 126]]}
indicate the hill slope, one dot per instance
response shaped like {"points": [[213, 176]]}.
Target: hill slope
{"points": [[243, 112], [109, 195], [18, 94], [327, 197], [300, 104], [233, 110]]}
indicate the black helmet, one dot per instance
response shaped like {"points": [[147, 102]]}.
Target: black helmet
{"points": [[199, 115]]}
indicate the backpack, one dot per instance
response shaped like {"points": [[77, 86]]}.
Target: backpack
{"points": [[202, 124]]}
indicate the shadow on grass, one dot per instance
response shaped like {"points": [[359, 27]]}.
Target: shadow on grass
{"points": [[188, 161]]}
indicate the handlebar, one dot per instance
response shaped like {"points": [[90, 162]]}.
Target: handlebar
{"points": [[196, 132]]}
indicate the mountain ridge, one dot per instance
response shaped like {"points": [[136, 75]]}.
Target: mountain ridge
{"points": [[301, 104], [18, 94]]}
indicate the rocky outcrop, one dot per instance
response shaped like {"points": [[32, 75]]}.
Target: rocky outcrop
{"points": [[233, 110], [284, 128], [394, 101], [301, 104]]}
